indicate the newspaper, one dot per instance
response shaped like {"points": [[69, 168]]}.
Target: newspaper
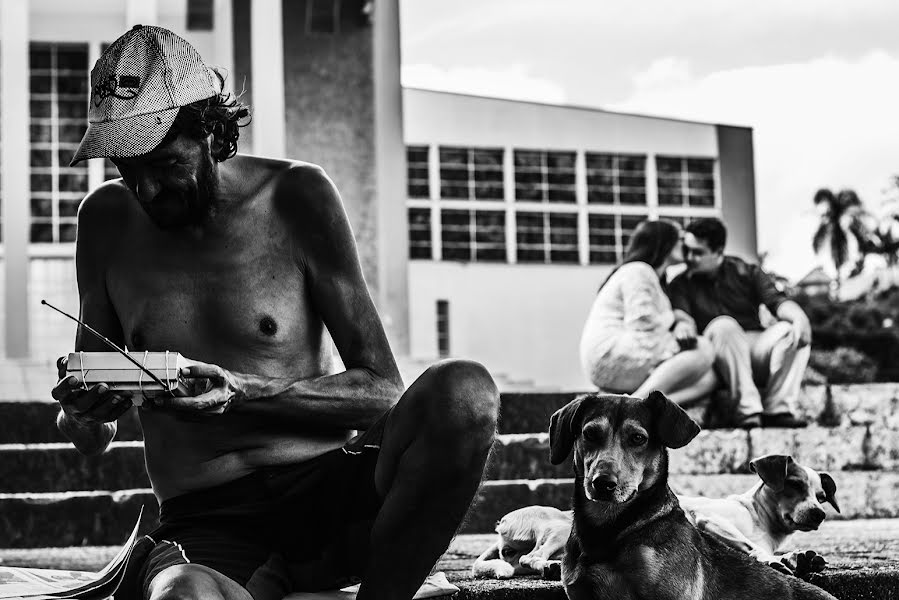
{"points": [[36, 584]]}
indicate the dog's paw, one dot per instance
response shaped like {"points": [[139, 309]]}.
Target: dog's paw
{"points": [[807, 562], [552, 570], [781, 566], [493, 569], [534, 563]]}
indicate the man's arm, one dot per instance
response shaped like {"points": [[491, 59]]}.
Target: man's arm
{"points": [[785, 309], [87, 418], [326, 254], [684, 324]]}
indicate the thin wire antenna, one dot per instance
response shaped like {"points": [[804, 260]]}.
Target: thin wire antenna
{"points": [[111, 344]]}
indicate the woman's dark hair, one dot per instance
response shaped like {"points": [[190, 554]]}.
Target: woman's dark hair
{"points": [[824, 195], [651, 242], [219, 115]]}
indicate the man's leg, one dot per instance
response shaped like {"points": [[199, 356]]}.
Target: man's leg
{"points": [[435, 444], [781, 366], [733, 363], [195, 581]]}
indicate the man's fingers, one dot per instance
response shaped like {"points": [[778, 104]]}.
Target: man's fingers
{"points": [[65, 387], [201, 370], [61, 364], [203, 402]]}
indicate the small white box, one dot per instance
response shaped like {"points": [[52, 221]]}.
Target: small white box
{"points": [[119, 373]]}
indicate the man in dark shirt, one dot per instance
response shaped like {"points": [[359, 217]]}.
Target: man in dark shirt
{"points": [[720, 296]]}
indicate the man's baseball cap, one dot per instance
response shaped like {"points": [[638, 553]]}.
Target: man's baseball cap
{"points": [[137, 87]]}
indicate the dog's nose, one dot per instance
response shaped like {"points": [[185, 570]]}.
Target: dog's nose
{"points": [[605, 483], [817, 515]]}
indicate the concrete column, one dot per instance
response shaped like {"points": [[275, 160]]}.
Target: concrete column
{"points": [[652, 187], [583, 223], [390, 176], [15, 186], [223, 39], [140, 12], [267, 66]]}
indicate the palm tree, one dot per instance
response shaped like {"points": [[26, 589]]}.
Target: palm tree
{"points": [[843, 236]]}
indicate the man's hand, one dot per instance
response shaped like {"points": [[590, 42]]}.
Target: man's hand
{"points": [[685, 331], [802, 331], [88, 407], [215, 389]]}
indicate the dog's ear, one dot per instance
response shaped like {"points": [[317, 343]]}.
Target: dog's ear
{"points": [[562, 426], [772, 469], [830, 489], [672, 425]]}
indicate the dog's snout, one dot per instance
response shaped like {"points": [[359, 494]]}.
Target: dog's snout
{"points": [[605, 483], [816, 515]]}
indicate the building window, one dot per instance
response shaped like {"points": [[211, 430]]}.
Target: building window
{"points": [[200, 15], [417, 179], [443, 331], [58, 102], [616, 179], [544, 176], [473, 235], [546, 237], [609, 235], [685, 181], [420, 233], [471, 173], [323, 16]]}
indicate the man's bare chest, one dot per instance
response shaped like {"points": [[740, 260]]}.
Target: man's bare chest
{"points": [[211, 304]]}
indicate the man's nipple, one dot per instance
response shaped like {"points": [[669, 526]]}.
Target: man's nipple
{"points": [[268, 326]]}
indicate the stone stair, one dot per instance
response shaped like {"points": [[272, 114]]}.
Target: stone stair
{"points": [[50, 495]]}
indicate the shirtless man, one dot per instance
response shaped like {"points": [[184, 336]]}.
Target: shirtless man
{"points": [[241, 262]]}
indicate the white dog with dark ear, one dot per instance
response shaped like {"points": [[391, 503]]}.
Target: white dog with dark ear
{"points": [[789, 498], [527, 540]]}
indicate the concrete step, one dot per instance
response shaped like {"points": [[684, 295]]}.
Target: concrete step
{"points": [[73, 518], [859, 447], [29, 520], [59, 467], [860, 494], [34, 422], [29, 421]]}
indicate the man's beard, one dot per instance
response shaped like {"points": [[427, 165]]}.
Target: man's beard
{"points": [[187, 207]]}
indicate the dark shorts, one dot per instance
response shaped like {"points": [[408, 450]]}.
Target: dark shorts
{"points": [[301, 527]]}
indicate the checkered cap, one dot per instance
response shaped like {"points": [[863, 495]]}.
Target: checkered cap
{"points": [[137, 87]]}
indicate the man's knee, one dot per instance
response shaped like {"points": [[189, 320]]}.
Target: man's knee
{"points": [[185, 582], [723, 328], [461, 396]]}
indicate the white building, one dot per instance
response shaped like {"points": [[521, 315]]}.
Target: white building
{"points": [[518, 211]]}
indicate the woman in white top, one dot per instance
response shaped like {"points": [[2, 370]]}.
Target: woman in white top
{"points": [[627, 345]]}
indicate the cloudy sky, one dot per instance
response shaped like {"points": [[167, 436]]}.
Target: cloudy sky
{"points": [[818, 80]]}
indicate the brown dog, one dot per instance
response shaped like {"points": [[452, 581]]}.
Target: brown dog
{"points": [[789, 498], [630, 539], [528, 539]]}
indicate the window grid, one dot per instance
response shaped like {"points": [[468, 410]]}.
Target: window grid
{"points": [[443, 331], [545, 176], [684, 181], [420, 245], [58, 81], [609, 234], [616, 179], [417, 179], [473, 235], [546, 237], [471, 173]]}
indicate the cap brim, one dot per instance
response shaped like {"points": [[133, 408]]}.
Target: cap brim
{"points": [[125, 138]]}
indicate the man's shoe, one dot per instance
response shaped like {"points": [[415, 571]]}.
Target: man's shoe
{"points": [[749, 422], [784, 420]]}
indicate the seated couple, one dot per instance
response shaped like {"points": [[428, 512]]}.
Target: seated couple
{"points": [[638, 338]]}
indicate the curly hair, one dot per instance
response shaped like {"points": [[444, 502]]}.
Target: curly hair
{"points": [[711, 231], [220, 115]]}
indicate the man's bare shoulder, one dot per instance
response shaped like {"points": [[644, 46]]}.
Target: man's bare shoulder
{"points": [[110, 201]]}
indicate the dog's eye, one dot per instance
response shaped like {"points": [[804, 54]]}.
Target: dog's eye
{"points": [[591, 434], [822, 498], [508, 551], [638, 439]]}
